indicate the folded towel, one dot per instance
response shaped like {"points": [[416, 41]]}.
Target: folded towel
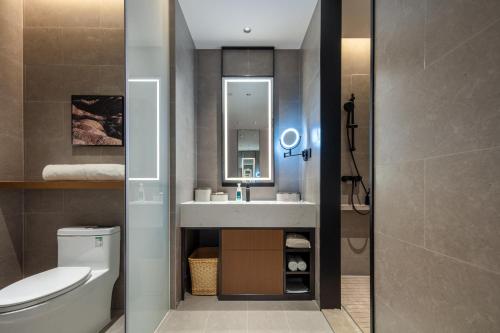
{"points": [[84, 172], [292, 264], [296, 286], [297, 241]]}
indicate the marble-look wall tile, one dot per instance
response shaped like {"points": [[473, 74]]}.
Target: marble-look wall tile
{"points": [[419, 285], [436, 150], [462, 200], [355, 256], [448, 23], [400, 194], [247, 62], [11, 139]]}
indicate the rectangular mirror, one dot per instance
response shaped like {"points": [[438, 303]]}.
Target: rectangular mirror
{"points": [[247, 115]]}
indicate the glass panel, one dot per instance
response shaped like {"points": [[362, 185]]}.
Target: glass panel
{"points": [[248, 133], [147, 45]]}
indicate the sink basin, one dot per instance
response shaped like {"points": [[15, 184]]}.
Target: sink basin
{"points": [[253, 214]]}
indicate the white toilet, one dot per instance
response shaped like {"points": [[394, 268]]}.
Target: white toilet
{"points": [[74, 297]]}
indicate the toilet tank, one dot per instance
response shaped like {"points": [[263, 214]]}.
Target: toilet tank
{"points": [[94, 247]]}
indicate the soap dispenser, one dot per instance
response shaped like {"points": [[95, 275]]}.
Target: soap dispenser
{"points": [[239, 193], [247, 192]]}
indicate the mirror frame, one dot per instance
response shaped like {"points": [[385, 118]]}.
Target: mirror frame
{"points": [[255, 181]]}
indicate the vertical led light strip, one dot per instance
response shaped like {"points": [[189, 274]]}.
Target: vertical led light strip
{"points": [[157, 81], [269, 82]]}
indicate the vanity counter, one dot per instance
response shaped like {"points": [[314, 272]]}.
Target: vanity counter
{"points": [[253, 214]]}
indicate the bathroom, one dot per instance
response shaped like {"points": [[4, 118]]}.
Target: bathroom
{"points": [[249, 166]]}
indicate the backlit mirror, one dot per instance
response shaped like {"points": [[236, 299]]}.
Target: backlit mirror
{"points": [[247, 130]]}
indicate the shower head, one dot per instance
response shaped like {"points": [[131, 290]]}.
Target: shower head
{"points": [[349, 106]]}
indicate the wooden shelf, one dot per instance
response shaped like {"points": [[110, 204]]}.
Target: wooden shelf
{"points": [[63, 185], [289, 250], [297, 273]]}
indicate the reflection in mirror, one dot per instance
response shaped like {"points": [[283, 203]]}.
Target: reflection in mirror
{"points": [[248, 132]]}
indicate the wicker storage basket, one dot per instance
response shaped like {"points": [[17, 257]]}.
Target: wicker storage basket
{"points": [[203, 265]]}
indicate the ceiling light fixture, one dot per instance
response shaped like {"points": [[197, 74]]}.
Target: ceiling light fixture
{"points": [[247, 30]]}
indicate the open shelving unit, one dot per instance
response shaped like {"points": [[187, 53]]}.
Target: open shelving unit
{"points": [[63, 185], [307, 276]]}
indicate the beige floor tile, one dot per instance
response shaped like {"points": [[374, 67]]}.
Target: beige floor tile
{"points": [[197, 303], [267, 321], [265, 306], [227, 321], [307, 321], [185, 321], [300, 306]]}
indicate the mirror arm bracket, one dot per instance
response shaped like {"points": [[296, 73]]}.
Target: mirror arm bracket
{"points": [[306, 154]]}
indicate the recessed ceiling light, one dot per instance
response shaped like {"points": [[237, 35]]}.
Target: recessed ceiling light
{"points": [[247, 30]]}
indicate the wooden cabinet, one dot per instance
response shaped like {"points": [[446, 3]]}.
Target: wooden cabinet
{"points": [[252, 262]]}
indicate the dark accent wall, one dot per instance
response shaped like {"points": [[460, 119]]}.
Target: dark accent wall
{"points": [[11, 139], [287, 112], [437, 157]]}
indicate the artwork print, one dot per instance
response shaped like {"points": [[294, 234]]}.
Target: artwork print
{"points": [[97, 120]]}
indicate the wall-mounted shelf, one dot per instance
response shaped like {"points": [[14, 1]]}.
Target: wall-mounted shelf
{"points": [[63, 185], [358, 207]]}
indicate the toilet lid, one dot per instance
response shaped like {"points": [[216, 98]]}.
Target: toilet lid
{"points": [[42, 287]]}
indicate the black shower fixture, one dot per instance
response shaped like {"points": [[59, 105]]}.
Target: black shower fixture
{"points": [[351, 123], [351, 134]]}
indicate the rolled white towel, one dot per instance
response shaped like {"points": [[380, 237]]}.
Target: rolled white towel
{"points": [[54, 172], [292, 264], [301, 264]]}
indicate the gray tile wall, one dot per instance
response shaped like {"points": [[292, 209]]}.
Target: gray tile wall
{"points": [[287, 112], [11, 139], [437, 150], [311, 122], [356, 80], [69, 48], [183, 137]]}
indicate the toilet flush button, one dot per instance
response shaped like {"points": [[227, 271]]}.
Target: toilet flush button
{"points": [[98, 241]]}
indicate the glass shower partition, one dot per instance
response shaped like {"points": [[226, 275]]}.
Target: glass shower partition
{"points": [[147, 109]]}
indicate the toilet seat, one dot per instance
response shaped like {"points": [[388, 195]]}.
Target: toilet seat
{"points": [[41, 287]]}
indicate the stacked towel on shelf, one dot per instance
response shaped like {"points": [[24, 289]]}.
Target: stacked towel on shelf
{"points": [[296, 263], [84, 172], [297, 241]]}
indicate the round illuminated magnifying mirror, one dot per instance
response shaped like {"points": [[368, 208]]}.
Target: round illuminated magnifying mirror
{"points": [[290, 138]]}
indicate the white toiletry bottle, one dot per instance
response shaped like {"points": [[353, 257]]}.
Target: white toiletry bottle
{"points": [[239, 193]]}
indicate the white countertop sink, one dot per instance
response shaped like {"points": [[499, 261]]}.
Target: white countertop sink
{"points": [[253, 214]]}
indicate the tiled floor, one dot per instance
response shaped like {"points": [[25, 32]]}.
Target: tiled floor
{"points": [[356, 299], [117, 326], [206, 314]]}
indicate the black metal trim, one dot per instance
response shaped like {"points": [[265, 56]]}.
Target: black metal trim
{"points": [[372, 167], [330, 59]]}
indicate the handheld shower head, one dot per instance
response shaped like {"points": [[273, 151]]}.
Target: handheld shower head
{"points": [[349, 106]]}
